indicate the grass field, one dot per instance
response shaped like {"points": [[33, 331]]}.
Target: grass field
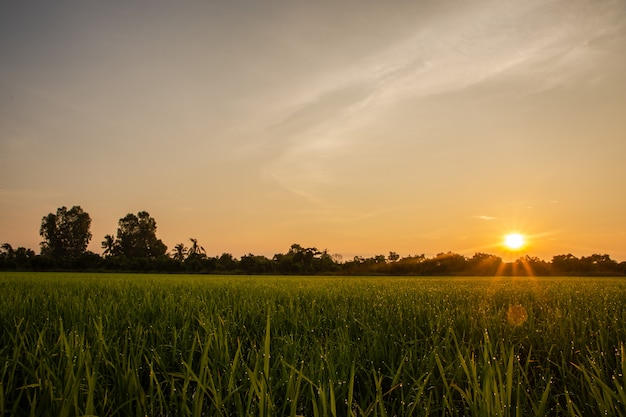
{"points": [[167, 345]]}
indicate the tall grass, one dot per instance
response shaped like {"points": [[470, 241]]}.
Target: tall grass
{"points": [[137, 345]]}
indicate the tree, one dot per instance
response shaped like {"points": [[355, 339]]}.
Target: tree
{"points": [[226, 262], [379, 259], [598, 264], [66, 233], [195, 256], [7, 251], [448, 263], [301, 260], [566, 264], [298, 260], [136, 237], [179, 252], [195, 251], [108, 244], [484, 264], [255, 264], [408, 265], [19, 258], [530, 266]]}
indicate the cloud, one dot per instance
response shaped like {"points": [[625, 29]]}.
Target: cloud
{"points": [[448, 52], [485, 218], [476, 43]]}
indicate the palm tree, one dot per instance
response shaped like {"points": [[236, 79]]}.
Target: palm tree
{"points": [[195, 251], [108, 244], [179, 252]]}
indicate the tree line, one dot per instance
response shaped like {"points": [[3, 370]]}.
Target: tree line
{"points": [[135, 248]]}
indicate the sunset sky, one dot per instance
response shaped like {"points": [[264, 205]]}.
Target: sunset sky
{"points": [[361, 127]]}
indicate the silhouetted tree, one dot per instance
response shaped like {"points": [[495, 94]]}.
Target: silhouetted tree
{"points": [[195, 251], [566, 264], [597, 264], [20, 258], [299, 260], [226, 262], [179, 252], [136, 237], [255, 264], [195, 256], [66, 233], [7, 251], [484, 264], [326, 262], [448, 263], [530, 266], [7, 256], [108, 244], [23, 256], [379, 259], [407, 265]]}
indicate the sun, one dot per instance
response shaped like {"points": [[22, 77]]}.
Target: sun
{"points": [[514, 241]]}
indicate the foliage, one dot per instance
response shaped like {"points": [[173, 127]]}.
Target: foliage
{"points": [[136, 237], [311, 261], [66, 233], [304, 261], [117, 345], [136, 248], [15, 259]]}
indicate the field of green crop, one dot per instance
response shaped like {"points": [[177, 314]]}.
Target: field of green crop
{"points": [[169, 345]]}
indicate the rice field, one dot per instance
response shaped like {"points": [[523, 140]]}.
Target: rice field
{"points": [[180, 345]]}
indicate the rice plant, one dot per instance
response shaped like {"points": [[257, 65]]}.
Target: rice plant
{"points": [[167, 345]]}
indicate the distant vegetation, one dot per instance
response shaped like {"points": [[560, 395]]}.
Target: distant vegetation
{"points": [[133, 345], [136, 248]]}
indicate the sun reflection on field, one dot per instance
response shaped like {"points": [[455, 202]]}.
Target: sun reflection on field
{"points": [[516, 315]]}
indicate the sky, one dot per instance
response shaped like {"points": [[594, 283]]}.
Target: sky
{"points": [[360, 127]]}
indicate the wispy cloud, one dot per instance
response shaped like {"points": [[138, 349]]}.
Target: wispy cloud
{"points": [[452, 51], [485, 218]]}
